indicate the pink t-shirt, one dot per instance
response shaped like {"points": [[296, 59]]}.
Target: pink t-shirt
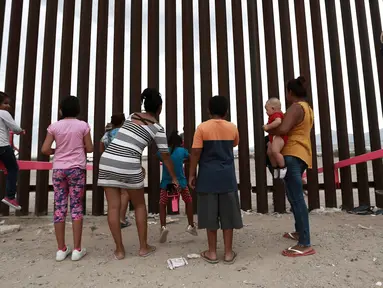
{"points": [[70, 148]]}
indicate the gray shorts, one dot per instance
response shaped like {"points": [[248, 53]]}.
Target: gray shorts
{"points": [[219, 211]]}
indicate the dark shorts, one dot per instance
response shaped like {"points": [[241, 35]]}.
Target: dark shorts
{"points": [[219, 211]]}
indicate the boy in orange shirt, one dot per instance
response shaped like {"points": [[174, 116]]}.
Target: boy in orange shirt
{"points": [[216, 184]]}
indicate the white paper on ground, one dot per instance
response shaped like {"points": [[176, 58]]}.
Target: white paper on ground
{"points": [[174, 263]]}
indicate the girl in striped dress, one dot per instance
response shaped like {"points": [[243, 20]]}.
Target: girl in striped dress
{"points": [[120, 168]]}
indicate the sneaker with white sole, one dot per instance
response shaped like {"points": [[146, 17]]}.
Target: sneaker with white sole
{"points": [[77, 255], [61, 255], [192, 230], [11, 203], [164, 234]]}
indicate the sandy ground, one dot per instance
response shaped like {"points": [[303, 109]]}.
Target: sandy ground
{"points": [[348, 255]]}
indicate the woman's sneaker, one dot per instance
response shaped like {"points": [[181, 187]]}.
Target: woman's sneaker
{"points": [[77, 255], [164, 234], [61, 255], [192, 230], [11, 203]]}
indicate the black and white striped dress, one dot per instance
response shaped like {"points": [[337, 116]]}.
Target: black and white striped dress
{"points": [[120, 164]]}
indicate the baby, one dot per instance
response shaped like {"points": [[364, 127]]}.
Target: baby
{"points": [[276, 143]]}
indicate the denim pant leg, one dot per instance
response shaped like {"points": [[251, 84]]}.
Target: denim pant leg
{"points": [[7, 156], [294, 189]]}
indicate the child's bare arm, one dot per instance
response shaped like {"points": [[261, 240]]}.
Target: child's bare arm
{"points": [[194, 159], [88, 143], [273, 125], [46, 149]]}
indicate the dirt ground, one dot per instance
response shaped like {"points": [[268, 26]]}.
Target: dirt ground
{"points": [[349, 254]]}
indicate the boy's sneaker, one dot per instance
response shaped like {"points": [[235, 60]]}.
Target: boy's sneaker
{"points": [[11, 203], [77, 255], [61, 255], [192, 230], [164, 234]]}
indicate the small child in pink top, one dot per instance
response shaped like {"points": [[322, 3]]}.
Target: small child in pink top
{"points": [[73, 141]]}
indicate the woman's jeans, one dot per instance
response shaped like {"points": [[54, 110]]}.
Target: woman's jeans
{"points": [[7, 156], [294, 191]]}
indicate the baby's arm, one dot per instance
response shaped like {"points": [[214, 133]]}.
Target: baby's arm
{"points": [[273, 125]]}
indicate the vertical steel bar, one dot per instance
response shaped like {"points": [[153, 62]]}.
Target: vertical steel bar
{"points": [[222, 51], [42, 178], [99, 110], [12, 66], [205, 57], [369, 85], [83, 64], [256, 84], [356, 108], [28, 102], [188, 78], [324, 107], [312, 174], [153, 82], [340, 107], [118, 57], [2, 15], [66, 49], [135, 56], [240, 84], [279, 198], [84, 57]]}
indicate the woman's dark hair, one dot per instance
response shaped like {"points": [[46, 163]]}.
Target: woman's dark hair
{"points": [[152, 100], [218, 106], [297, 87], [174, 141], [70, 107], [118, 119], [3, 97]]}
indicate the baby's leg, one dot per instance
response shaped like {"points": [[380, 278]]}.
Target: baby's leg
{"points": [[276, 148], [271, 156]]}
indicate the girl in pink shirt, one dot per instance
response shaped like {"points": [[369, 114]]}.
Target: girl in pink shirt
{"points": [[73, 141]]}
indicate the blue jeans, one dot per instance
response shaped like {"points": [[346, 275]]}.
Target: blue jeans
{"points": [[294, 191], [7, 156]]}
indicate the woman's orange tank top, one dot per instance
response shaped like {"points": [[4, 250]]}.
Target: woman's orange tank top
{"points": [[299, 142]]}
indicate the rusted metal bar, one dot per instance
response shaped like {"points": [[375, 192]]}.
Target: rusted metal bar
{"points": [[84, 58], [135, 56], [279, 198], [99, 110], [118, 57], [83, 63], [369, 85], [2, 15], [42, 178], [324, 107], [340, 107], [240, 84], [205, 57], [153, 82], [170, 72], [188, 80], [312, 175], [287, 50], [66, 49], [12, 69], [356, 108], [256, 84], [28, 102], [222, 51]]}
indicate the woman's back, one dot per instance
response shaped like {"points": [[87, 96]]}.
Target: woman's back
{"points": [[299, 142], [70, 149]]}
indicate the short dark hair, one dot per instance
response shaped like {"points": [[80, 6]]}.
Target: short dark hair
{"points": [[3, 97], [70, 107], [152, 100], [174, 141], [218, 105], [297, 87], [118, 119]]}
